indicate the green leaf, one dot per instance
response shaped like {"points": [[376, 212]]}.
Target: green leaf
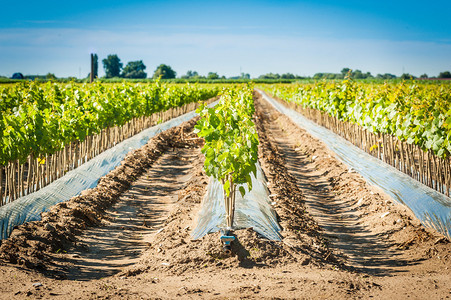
{"points": [[227, 188], [242, 191]]}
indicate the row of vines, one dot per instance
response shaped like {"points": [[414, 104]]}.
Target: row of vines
{"points": [[49, 129], [407, 125], [231, 142]]}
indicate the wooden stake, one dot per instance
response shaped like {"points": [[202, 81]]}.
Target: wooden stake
{"points": [[22, 180], [2, 200], [7, 182]]}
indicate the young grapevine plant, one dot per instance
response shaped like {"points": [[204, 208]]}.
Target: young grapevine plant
{"points": [[231, 142]]}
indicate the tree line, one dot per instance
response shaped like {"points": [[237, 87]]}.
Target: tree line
{"points": [[133, 69], [357, 74], [114, 68]]}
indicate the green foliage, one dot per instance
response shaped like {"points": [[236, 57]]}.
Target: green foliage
{"points": [[385, 76], [40, 119], [231, 138], [212, 75], [112, 65], [414, 112], [50, 76], [345, 72], [407, 76], [164, 72], [286, 76], [191, 74], [134, 69]]}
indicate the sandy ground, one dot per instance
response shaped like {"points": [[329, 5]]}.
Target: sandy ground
{"points": [[130, 237]]}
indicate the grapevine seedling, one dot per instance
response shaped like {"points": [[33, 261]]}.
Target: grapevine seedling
{"points": [[231, 143]]}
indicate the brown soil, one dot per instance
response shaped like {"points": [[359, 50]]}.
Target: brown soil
{"points": [[130, 237]]}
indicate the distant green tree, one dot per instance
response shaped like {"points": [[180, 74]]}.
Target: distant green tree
{"points": [[333, 76], [245, 75], [134, 69], [386, 76], [357, 74], [50, 76], [407, 76], [16, 76], [212, 75], [368, 75], [112, 65], [164, 71], [445, 74], [318, 76], [269, 76], [424, 76], [345, 71], [190, 74], [287, 76]]}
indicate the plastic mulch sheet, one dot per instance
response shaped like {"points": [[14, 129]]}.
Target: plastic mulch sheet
{"points": [[432, 208], [86, 176], [253, 210]]}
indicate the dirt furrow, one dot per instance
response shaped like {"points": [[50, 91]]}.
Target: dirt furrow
{"points": [[130, 225], [334, 212], [375, 234], [45, 244]]}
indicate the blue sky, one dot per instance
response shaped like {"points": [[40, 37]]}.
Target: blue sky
{"points": [[256, 37]]}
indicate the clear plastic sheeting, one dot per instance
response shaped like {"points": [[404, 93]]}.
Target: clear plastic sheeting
{"points": [[86, 176], [432, 208], [253, 210]]}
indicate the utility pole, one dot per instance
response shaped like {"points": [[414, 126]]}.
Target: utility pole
{"points": [[91, 75]]}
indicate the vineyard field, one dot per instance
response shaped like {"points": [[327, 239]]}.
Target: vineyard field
{"points": [[49, 129], [131, 235], [407, 125]]}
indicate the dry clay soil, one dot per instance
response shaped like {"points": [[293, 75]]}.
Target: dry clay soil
{"points": [[129, 238]]}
